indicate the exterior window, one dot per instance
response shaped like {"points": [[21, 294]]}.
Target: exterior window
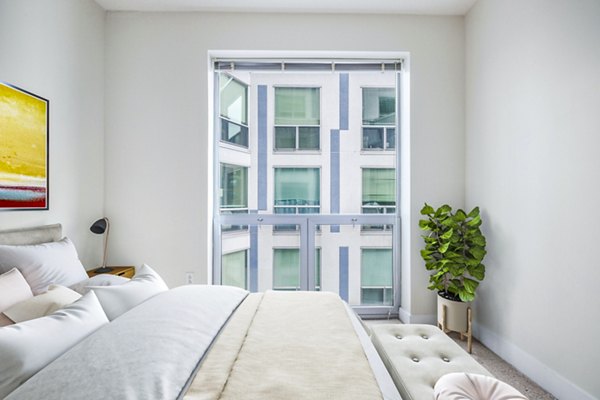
{"points": [[233, 111], [286, 269], [234, 192], [376, 278], [234, 269], [297, 191], [379, 119], [297, 119], [378, 194]]}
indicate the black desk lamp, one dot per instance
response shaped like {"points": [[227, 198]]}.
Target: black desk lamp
{"points": [[99, 227]]}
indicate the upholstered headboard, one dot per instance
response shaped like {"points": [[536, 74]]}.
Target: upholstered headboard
{"points": [[35, 235]]}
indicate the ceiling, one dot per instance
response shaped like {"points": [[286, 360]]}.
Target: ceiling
{"points": [[426, 7]]}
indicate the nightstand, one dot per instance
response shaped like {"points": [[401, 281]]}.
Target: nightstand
{"points": [[125, 272]]}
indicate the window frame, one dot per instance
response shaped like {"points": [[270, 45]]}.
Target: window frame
{"points": [[297, 207], [223, 120], [402, 130], [385, 208], [297, 147], [384, 127], [383, 288]]}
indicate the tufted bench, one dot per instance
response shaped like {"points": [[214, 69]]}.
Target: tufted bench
{"points": [[418, 355]]}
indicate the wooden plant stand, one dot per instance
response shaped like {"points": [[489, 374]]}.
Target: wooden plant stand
{"points": [[468, 334]]}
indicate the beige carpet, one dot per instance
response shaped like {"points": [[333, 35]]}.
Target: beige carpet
{"points": [[497, 366]]}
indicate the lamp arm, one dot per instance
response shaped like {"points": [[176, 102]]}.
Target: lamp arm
{"points": [[105, 243]]}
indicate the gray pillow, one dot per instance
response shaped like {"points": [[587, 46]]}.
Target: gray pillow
{"points": [[44, 264]]}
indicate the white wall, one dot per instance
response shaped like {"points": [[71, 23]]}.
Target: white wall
{"points": [[56, 50], [532, 163], [157, 122]]}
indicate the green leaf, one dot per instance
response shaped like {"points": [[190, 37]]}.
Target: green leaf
{"points": [[478, 240], [424, 224], [470, 285], [476, 221], [465, 296], [477, 252], [445, 209], [460, 216], [444, 247], [448, 234], [448, 222], [427, 210], [474, 213], [477, 271]]}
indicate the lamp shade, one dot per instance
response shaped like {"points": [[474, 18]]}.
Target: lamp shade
{"points": [[99, 227]]}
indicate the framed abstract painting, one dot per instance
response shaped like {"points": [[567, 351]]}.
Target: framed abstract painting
{"points": [[24, 125]]}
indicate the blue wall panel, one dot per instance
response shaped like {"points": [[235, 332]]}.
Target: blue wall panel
{"points": [[344, 273], [262, 147]]}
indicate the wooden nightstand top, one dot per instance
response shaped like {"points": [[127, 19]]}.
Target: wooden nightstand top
{"points": [[125, 271]]}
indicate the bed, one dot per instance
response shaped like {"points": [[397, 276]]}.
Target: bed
{"points": [[195, 342]]}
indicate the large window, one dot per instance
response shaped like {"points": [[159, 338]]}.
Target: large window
{"points": [[297, 191], [234, 192], [233, 111], [297, 119], [376, 277], [378, 194], [234, 269], [379, 119], [306, 175], [286, 269]]}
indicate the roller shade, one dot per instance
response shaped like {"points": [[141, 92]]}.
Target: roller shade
{"points": [[306, 65]]}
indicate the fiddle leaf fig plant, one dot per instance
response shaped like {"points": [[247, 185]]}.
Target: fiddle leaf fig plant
{"points": [[454, 251]]}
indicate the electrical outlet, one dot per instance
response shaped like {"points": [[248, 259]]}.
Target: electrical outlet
{"points": [[189, 278]]}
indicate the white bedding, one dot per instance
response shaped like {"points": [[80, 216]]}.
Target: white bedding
{"points": [[154, 350], [148, 353]]}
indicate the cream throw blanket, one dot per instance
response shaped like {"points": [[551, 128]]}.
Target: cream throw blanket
{"points": [[287, 346]]}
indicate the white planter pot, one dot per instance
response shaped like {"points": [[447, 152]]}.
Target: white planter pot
{"points": [[456, 314]]}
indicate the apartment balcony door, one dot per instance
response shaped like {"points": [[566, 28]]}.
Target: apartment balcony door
{"points": [[306, 183]]}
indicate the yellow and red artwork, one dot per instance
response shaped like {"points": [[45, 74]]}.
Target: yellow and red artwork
{"points": [[23, 149]]}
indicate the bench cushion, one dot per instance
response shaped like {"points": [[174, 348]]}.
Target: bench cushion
{"points": [[418, 355]]}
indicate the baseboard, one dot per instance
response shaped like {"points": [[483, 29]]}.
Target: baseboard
{"points": [[537, 371], [409, 318]]}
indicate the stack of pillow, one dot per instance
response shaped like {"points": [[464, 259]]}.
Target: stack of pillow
{"points": [[48, 304]]}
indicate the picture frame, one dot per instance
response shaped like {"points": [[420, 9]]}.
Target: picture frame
{"points": [[24, 153]]}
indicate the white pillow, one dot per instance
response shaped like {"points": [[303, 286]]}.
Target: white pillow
{"points": [[43, 264], [29, 346], [13, 289], [462, 385], [116, 300], [55, 298], [98, 280]]}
